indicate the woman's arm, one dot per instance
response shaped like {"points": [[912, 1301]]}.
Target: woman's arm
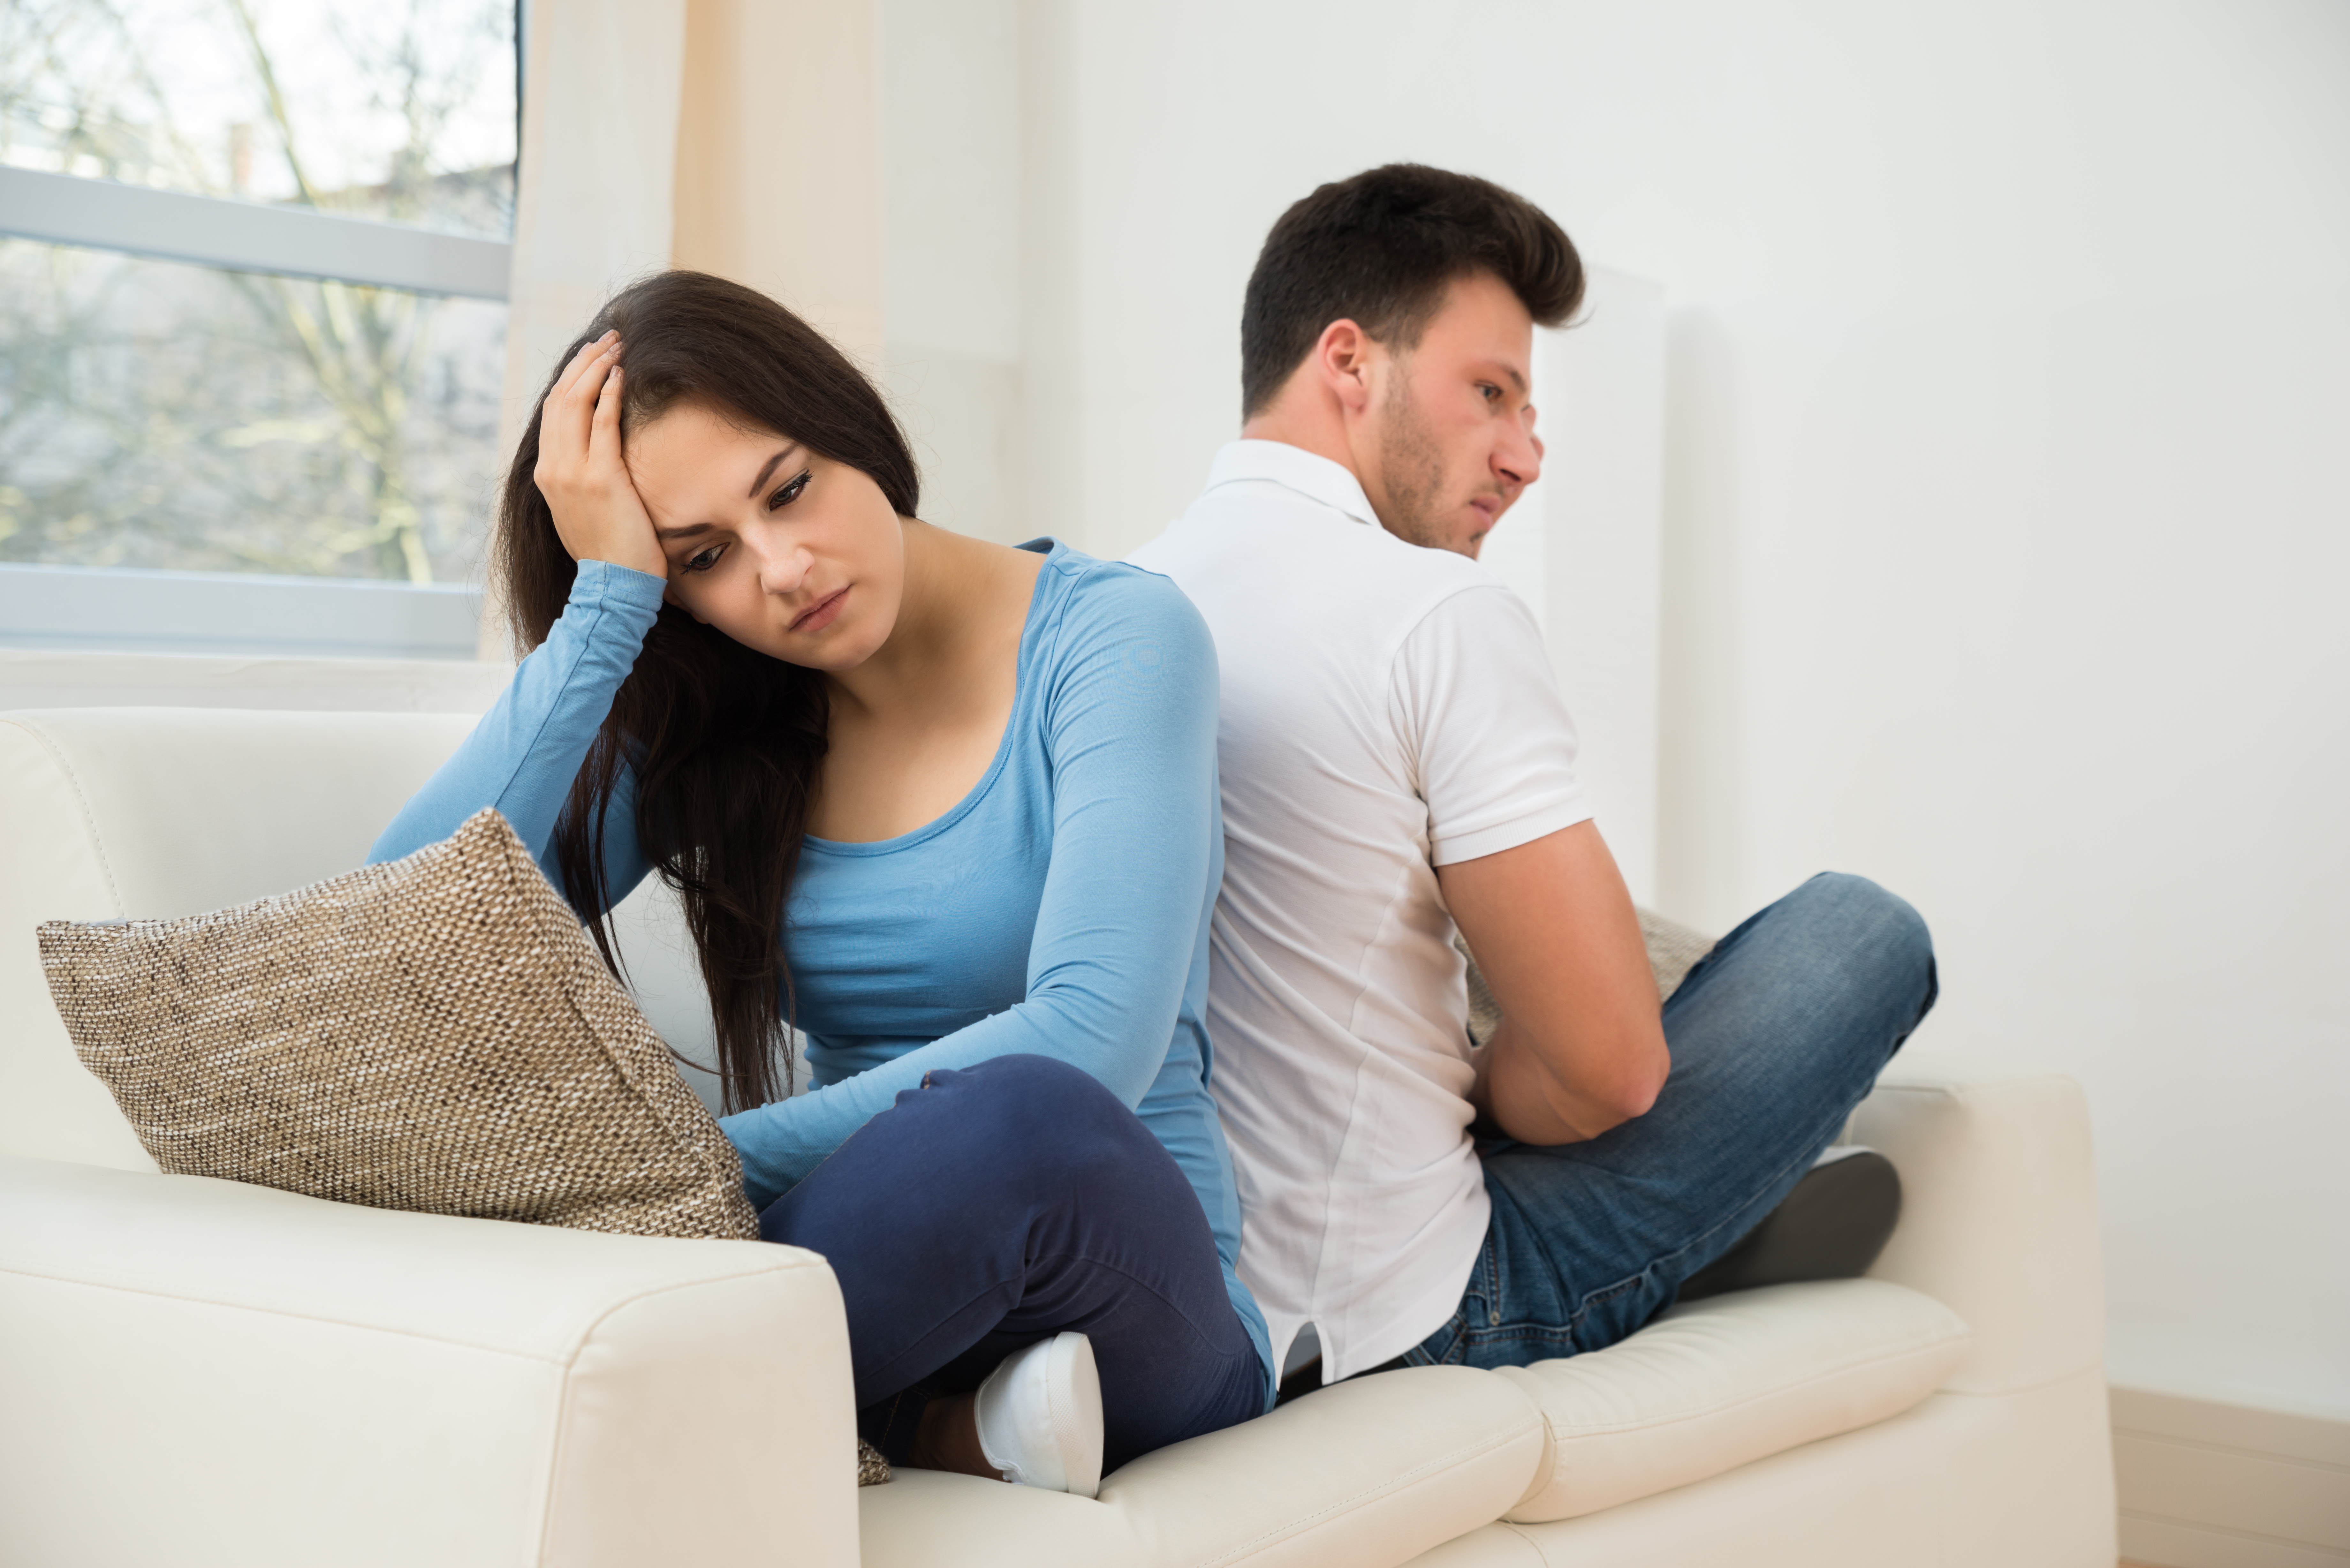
{"points": [[524, 754], [1138, 849]]}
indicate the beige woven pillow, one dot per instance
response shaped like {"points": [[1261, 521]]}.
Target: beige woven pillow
{"points": [[435, 1034]]}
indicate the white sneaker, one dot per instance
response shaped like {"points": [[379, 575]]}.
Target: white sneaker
{"points": [[1040, 1417]]}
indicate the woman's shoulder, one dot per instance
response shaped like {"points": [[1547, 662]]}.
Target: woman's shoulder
{"points": [[1109, 615], [1118, 598]]}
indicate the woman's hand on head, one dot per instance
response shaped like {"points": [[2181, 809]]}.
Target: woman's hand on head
{"points": [[598, 513]]}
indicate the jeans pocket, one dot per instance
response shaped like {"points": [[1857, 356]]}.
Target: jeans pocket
{"points": [[1446, 1347]]}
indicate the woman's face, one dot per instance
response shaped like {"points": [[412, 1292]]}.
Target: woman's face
{"points": [[784, 551]]}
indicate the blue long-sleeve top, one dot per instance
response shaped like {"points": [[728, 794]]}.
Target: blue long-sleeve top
{"points": [[1061, 907]]}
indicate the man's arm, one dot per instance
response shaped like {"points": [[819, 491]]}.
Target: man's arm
{"points": [[1582, 1043]]}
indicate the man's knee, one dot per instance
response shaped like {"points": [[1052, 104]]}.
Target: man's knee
{"points": [[1877, 939]]}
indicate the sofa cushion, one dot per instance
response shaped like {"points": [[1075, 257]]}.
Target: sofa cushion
{"points": [[1728, 1380], [434, 1034], [1369, 1473]]}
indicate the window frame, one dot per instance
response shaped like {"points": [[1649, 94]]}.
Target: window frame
{"points": [[138, 610], [247, 236], [129, 609]]}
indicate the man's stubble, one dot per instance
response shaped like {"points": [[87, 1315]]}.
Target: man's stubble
{"points": [[1411, 465]]}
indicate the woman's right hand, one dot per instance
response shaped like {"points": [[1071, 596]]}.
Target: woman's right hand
{"points": [[598, 513]]}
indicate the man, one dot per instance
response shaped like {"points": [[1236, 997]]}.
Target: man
{"points": [[1397, 765]]}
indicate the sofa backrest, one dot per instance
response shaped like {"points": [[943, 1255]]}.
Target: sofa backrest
{"points": [[143, 813], [149, 812]]}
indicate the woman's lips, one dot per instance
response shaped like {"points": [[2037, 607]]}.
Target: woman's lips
{"points": [[822, 613]]}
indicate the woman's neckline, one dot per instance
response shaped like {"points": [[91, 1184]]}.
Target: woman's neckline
{"points": [[1053, 549]]}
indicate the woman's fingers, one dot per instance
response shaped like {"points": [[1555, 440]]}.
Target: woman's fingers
{"points": [[566, 419], [604, 428], [588, 355], [589, 385], [576, 390], [597, 511]]}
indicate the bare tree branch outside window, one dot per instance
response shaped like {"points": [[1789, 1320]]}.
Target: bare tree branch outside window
{"points": [[158, 415]]}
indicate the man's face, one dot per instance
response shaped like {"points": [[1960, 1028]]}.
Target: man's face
{"points": [[1450, 444]]}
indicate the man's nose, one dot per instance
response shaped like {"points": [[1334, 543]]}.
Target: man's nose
{"points": [[1517, 463]]}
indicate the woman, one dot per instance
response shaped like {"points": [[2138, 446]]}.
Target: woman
{"points": [[950, 807]]}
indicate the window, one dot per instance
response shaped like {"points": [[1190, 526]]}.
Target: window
{"points": [[253, 264]]}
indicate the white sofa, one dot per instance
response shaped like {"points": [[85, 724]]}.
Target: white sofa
{"points": [[201, 1372]]}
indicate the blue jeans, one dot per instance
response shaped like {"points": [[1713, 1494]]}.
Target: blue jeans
{"points": [[1775, 1036], [1005, 1203]]}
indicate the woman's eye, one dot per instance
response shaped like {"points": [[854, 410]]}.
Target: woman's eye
{"points": [[789, 492], [703, 560]]}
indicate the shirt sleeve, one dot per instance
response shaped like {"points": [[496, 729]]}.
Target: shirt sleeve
{"points": [[1130, 729], [524, 753], [1474, 698]]}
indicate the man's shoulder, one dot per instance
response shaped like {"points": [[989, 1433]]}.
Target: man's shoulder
{"points": [[1248, 554]]}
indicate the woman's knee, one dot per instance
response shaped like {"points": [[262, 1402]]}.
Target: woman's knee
{"points": [[991, 1141], [1057, 1122], [1025, 1088]]}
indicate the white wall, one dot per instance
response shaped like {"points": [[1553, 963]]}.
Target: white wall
{"points": [[1594, 520], [2008, 486], [951, 266]]}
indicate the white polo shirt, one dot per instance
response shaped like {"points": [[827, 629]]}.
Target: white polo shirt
{"points": [[1387, 710]]}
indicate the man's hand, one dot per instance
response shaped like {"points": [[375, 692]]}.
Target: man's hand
{"points": [[1582, 1043], [598, 513]]}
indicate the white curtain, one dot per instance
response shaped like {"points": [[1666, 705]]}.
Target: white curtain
{"points": [[601, 84], [602, 80]]}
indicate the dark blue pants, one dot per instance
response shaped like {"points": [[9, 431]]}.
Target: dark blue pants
{"points": [[1003, 1204]]}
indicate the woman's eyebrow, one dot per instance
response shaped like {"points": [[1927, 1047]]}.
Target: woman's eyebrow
{"points": [[759, 484]]}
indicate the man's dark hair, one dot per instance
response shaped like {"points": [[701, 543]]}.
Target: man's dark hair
{"points": [[1380, 249]]}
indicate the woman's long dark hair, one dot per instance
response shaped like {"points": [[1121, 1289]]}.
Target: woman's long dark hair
{"points": [[724, 741]]}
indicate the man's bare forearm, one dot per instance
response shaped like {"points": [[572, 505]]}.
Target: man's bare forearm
{"points": [[1520, 1090], [1582, 1044]]}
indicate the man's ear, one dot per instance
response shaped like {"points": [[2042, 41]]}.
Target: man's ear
{"points": [[1342, 355]]}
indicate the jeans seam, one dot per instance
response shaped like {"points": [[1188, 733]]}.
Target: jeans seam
{"points": [[1515, 1333], [1494, 1278]]}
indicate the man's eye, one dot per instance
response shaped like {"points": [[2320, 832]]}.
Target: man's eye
{"points": [[789, 492], [703, 560], [1490, 392]]}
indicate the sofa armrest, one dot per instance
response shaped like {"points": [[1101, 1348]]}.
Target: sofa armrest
{"points": [[1999, 1219], [199, 1372]]}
